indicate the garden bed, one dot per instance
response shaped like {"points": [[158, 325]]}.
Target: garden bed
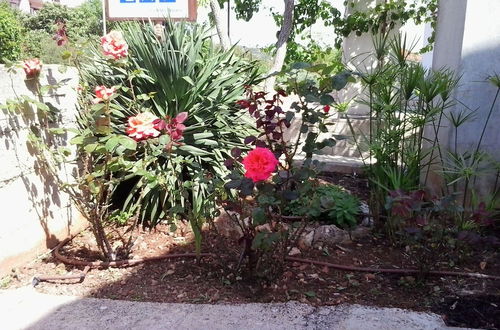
{"points": [[214, 279]]}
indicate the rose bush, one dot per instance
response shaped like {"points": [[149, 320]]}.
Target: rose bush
{"points": [[278, 170]]}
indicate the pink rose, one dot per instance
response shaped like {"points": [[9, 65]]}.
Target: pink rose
{"points": [[175, 128], [32, 67], [143, 126], [102, 93], [259, 164], [114, 46]]}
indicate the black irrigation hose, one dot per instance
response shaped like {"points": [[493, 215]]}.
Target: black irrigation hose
{"points": [[391, 270], [104, 264], [131, 262]]}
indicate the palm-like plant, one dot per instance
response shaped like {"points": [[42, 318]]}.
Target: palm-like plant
{"points": [[178, 71]]}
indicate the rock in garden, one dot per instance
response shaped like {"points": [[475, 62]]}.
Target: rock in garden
{"points": [[364, 209], [306, 239], [294, 251], [226, 226], [328, 235], [360, 232]]}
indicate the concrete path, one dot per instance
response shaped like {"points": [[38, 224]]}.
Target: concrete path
{"points": [[27, 309]]}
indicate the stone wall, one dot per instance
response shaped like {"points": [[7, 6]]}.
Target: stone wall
{"points": [[35, 214]]}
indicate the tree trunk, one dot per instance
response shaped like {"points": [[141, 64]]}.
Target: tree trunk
{"points": [[219, 25], [284, 34]]}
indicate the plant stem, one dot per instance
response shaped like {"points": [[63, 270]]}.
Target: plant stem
{"points": [[486, 122]]}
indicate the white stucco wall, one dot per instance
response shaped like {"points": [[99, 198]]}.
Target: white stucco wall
{"points": [[35, 214], [468, 41], [480, 58]]}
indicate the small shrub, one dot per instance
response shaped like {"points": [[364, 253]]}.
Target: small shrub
{"points": [[328, 203], [10, 34]]}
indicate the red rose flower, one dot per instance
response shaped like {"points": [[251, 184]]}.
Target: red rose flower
{"points": [[102, 93], [259, 164], [32, 67], [113, 45], [175, 128], [142, 126], [326, 108]]}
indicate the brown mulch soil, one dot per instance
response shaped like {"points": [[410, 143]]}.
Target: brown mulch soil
{"points": [[462, 301]]}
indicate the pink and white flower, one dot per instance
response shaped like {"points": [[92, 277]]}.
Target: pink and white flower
{"points": [[114, 45], [143, 126], [102, 93]]}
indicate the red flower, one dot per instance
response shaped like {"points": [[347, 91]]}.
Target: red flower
{"points": [[32, 67], [243, 104], [102, 93], [113, 45], [259, 164], [175, 128], [326, 108], [60, 36], [142, 126]]}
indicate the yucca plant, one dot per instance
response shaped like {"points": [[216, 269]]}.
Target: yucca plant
{"points": [[179, 70]]}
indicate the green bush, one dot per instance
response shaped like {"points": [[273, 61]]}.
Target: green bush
{"points": [[329, 203], [82, 23], [182, 72], [38, 43], [10, 33]]}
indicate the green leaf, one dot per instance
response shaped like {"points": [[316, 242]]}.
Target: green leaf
{"points": [[164, 139], [246, 187], [311, 98], [233, 184], [91, 147], [310, 294], [258, 216], [340, 80], [326, 99], [97, 107], [316, 67], [77, 140], [289, 116], [112, 143], [300, 65], [57, 130], [127, 142], [189, 80], [65, 55], [290, 195]]}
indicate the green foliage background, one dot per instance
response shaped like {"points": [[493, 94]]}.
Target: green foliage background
{"points": [[10, 33], [28, 36]]}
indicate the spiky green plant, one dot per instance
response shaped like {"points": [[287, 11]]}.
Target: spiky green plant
{"points": [[180, 70]]}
